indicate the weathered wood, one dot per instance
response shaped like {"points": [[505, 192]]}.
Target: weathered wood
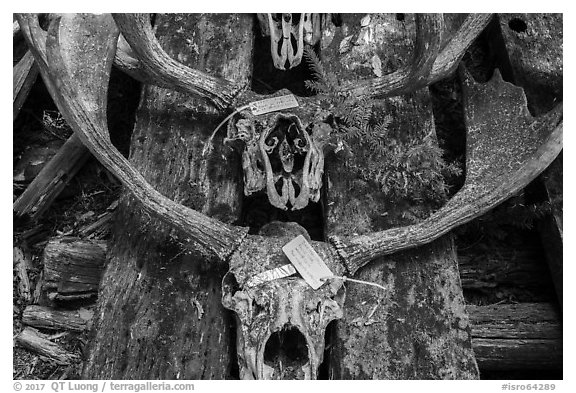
{"points": [[73, 268], [52, 179], [23, 77], [48, 318], [533, 45], [97, 228], [22, 264], [418, 328], [148, 325], [37, 342], [518, 267], [525, 336]]}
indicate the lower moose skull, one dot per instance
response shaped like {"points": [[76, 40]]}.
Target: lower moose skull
{"points": [[281, 323], [281, 156]]}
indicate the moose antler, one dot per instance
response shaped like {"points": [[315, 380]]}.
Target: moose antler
{"points": [[506, 148], [159, 67], [75, 62], [428, 64]]}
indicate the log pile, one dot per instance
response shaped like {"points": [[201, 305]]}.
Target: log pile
{"points": [[68, 283]]}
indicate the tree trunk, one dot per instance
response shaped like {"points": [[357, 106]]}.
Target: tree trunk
{"points": [[418, 328], [160, 315]]}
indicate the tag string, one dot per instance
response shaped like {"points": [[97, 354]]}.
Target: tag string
{"points": [[344, 278], [208, 146]]}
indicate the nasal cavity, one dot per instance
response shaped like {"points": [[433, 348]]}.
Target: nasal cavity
{"points": [[286, 352]]}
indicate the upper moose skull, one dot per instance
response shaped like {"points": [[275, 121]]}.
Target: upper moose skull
{"points": [[281, 323], [288, 34], [282, 153]]}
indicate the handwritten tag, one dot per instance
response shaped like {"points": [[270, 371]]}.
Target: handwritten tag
{"points": [[308, 263], [273, 104], [269, 275]]}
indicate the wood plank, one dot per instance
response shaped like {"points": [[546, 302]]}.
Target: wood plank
{"points": [[526, 336], [51, 319], [38, 343], [52, 179]]}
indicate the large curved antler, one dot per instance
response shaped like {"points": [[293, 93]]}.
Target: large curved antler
{"points": [[428, 64], [159, 67], [506, 148], [75, 62]]}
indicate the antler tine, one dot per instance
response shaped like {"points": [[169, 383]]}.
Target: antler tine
{"points": [[78, 83], [429, 29], [451, 54], [505, 148], [418, 74], [166, 71]]}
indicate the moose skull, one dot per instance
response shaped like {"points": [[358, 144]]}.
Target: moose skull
{"points": [[282, 156], [281, 323], [288, 34]]}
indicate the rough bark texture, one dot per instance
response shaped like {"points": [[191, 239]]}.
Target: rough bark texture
{"points": [[534, 49], [73, 268], [517, 336], [52, 179], [160, 315], [418, 328]]}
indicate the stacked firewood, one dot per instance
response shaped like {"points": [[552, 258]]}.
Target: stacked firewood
{"points": [[62, 300]]}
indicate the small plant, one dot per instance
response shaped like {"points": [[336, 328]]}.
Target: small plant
{"points": [[411, 169]]}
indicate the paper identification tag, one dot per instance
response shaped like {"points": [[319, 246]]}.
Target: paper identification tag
{"points": [[273, 104], [269, 275], [308, 263]]}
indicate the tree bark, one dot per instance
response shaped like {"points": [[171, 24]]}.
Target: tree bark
{"points": [[418, 328], [148, 325]]}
